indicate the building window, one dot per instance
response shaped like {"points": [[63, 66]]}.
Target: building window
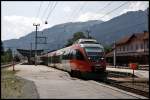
{"points": [[123, 48], [136, 46], [141, 46], [118, 49], [131, 47], [147, 45]]}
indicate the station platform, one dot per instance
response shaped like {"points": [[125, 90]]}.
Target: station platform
{"points": [[56, 84], [138, 73]]}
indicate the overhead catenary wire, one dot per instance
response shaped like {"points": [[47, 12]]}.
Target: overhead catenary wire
{"points": [[108, 4], [81, 8], [114, 9], [134, 18], [51, 10], [78, 11], [39, 10], [46, 9]]}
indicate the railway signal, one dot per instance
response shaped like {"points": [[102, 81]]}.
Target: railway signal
{"points": [[133, 66]]}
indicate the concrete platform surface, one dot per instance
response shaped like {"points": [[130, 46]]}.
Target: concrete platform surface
{"points": [[139, 73], [55, 84]]}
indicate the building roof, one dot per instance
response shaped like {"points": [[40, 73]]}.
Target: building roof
{"points": [[139, 36], [111, 54], [28, 53]]}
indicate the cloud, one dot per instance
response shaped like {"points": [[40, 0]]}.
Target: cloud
{"points": [[92, 16], [67, 9], [135, 6], [17, 26]]}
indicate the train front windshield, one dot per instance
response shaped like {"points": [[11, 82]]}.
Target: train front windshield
{"points": [[94, 53]]}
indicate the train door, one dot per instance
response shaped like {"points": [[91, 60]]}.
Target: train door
{"points": [[66, 61]]}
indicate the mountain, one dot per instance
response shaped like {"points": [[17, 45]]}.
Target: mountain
{"points": [[105, 32], [57, 36], [118, 27]]}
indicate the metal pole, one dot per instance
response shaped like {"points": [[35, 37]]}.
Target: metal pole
{"points": [[115, 54], [88, 33], [30, 52], [133, 77], [13, 60], [36, 43]]}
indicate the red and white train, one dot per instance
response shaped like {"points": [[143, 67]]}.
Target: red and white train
{"points": [[86, 57]]}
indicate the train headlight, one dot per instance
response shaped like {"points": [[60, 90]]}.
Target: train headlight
{"points": [[102, 58], [89, 58]]}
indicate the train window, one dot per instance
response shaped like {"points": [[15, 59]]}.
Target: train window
{"points": [[71, 55], [79, 55], [65, 56]]}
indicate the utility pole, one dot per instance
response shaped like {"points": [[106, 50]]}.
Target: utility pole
{"points": [[36, 25], [88, 33], [30, 52], [13, 60], [115, 54]]}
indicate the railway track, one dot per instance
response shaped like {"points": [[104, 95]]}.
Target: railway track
{"points": [[127, 88], [128, 85], [8, 65]]}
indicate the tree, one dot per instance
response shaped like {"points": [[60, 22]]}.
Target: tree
{"points": [[76, 36], [17, 58], [2, 48], [107, 49], [9, 55]]}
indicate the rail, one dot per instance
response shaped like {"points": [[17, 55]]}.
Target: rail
{"points": [[125, 82], [8, 65], [141, 67], [127, 88]]}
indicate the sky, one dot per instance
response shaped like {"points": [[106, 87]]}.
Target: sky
{"points": [[17, 17]]}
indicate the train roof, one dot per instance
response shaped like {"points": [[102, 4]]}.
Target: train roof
{"points": [[86, 40], [60, 51], [79, 43]]}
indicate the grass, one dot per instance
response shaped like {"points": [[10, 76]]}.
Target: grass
{"points": [[10, 85], [13, 86]]}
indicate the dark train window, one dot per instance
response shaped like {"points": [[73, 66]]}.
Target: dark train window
{"points": [[71, 55], [65, 56], [79, 55]]}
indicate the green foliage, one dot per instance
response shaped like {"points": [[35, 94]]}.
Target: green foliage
{"points": [[2, 48], [7, 56], [76, 36], [107, 48], [16, 58]]}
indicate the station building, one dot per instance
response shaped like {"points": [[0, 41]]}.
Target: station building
{"points": [[131, 49]]}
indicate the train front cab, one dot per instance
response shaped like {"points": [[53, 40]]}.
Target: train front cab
{"points": [[83, 67]]}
